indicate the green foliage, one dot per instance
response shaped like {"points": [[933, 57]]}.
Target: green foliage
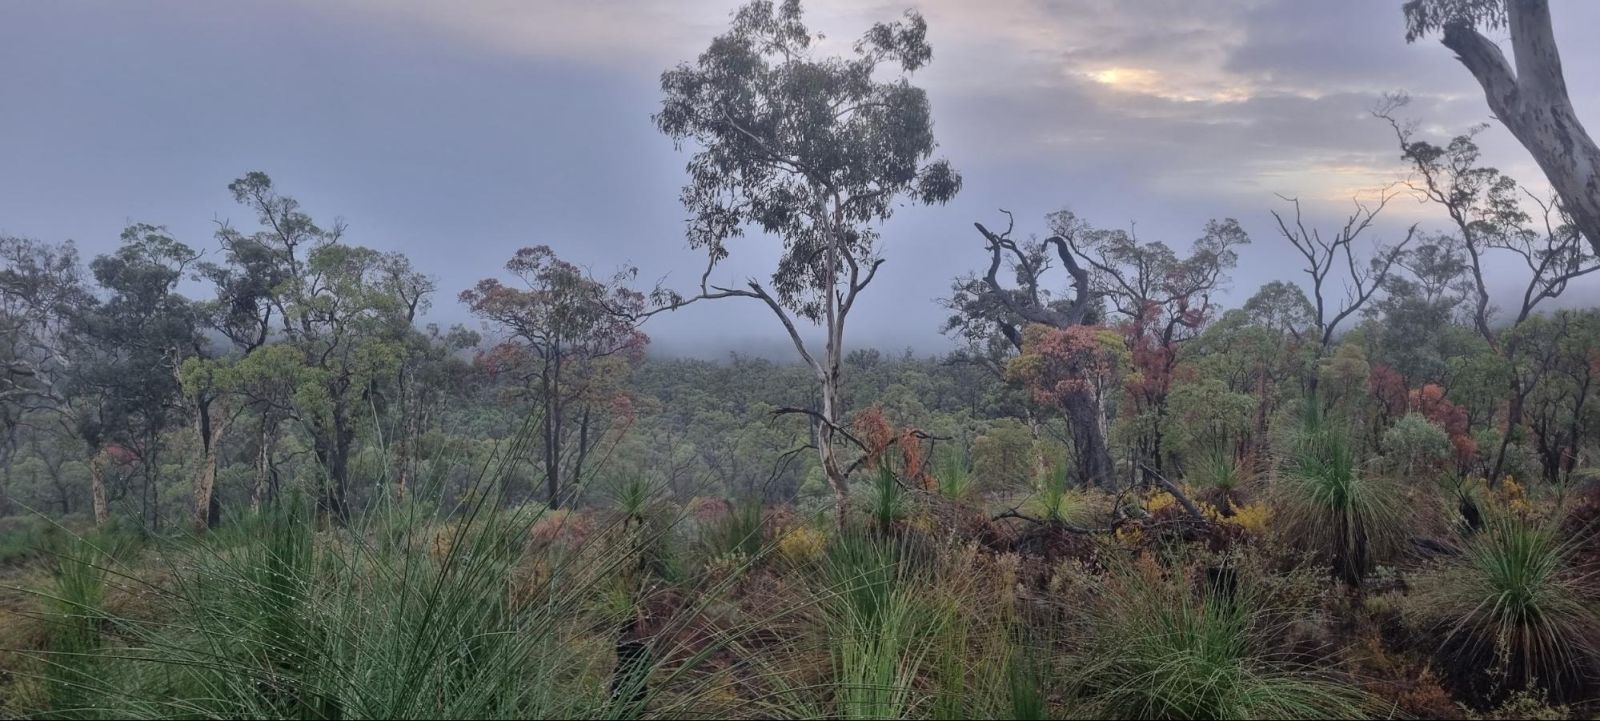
{"points": [[1414, 445], [1325, 504], [1160, 649], [807, 148], [1513, 608], [1002, 457]]}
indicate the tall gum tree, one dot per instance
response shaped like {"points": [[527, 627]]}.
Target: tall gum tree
{"points": [[811, 150], [988, 305], [1485, 206], [344, 309], [568, 339], [1530, 97]]}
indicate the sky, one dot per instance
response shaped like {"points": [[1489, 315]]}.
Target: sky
{"points": [[459, 131]]}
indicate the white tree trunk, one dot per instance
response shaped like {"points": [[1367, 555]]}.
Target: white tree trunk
{"points": [[1533, 103]]}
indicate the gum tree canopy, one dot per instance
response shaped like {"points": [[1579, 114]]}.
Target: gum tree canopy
{"points": [[813, 151]]}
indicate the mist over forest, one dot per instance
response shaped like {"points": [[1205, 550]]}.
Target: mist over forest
{"points": [[625, 359]]}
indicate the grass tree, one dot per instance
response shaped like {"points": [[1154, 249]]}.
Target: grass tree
{"points": [[814, 151]]}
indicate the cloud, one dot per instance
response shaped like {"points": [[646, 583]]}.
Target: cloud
{"points": [[507, 122]]}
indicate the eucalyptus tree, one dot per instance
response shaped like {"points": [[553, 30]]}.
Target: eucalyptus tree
{"points": [[1333, 258], [815, 151], [1163, 300], [41, 288], [988, 305], [133, 339], [1491, 222], [344, 309], [1530, 97], [569, 338]]}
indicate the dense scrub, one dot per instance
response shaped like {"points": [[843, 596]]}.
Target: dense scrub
{"points": [[1081, 603]]}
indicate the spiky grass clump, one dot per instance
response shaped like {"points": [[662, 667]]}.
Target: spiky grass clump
{"points": [[1513, 610], [76, 615], [1058, 501], [735, 532], [1220, 477], [882, 624], [1161, 646], [888, 501], [272, 619], [955, 478], [1326, 506]]}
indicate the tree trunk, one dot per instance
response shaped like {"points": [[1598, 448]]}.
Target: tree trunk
{"points": [[333, 452], [1513, 420], [148, 468], [264, 485], [1085, 416], [1534, 104], [550, 387], [406, 449], [583, 447], [825, 450], [97, 488], [207, 508]]}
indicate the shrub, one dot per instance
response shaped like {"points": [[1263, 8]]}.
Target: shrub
{"points": [[802, 544], [1511, 611], [1416, 445], [1326, 506], [1159, 645], [956, 481]]}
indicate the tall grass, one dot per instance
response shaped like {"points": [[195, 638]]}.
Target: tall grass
{"points": [[1513, 609], [1057, 500], [1159, 648], [739, 532], [1219, 475], [881, 623], [76, 611], [888, 501], [1325, 505], [402, 615], [955, 478]]}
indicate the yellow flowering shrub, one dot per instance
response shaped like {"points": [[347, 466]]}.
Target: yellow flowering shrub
{"points": [[1252, 517], [1159, 501], [802, 544]]}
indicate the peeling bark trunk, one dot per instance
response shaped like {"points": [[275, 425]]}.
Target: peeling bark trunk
{"points": [[207, 508], [828, 454], [264, 486], [1086, 419], [1533, 102]]}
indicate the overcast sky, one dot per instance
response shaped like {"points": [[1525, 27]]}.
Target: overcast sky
{"points": [[459, 131]]}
